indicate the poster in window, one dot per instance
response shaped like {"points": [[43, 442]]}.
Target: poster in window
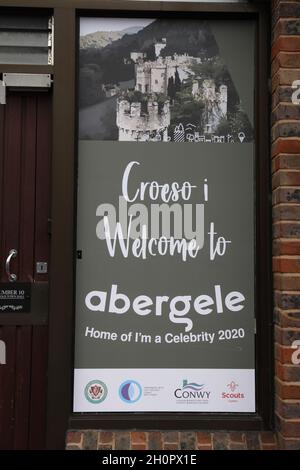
{"points": [[165, 291]]}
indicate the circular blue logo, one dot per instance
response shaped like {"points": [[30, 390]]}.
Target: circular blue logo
{"points": [[130, 391]]}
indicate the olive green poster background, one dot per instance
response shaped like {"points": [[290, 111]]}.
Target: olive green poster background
{"points": [[229, 170]]}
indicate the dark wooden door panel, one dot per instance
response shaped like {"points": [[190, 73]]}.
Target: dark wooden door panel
{"points": [[23, 387], [27, 188], [11, 179], [37, 412], [42, 195], [7, 388], [25, 159]]}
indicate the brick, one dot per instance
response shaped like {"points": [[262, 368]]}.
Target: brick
{"points": [[286, 212], [285, 43], [138, 437], [275, 65], [188, 440], [285, 129], [105, 447], [289, 145], [287, 372], [90, 439], [288, 427], [122, 440], [287, 319], [287, 10], [267, 437], [237, 446], [238, 437], [155, 441], [286, 264], [74, 437], [287, 59], [287, 300], [286, 177], [106, 437], [287, 27], [252, 441], [286, 161], [138, 447], [286, 336], [170, 437], [221, 441], [284, 229], [290, 391], [287, 246], [286, 443], [204, 438], [205, 447], [73, 447], [283, 353], [171, 446], [285, 76], [288, 409], [284, 112], [291, 195], [282, 94]]}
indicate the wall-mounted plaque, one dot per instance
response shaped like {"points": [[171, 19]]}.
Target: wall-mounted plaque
{"points": [[15, 297]]}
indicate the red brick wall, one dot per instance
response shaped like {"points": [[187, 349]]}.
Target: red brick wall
{"points": [[285, 152], [170, 440], [286, 217]]}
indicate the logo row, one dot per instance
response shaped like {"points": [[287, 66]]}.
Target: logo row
{"points": [[96, 391], [131, 391]]}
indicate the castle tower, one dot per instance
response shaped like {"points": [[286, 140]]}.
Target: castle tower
{"points": [[135, 125], [195, 88], [223, 99], [215, 104], [159, 46], [143, 78]]}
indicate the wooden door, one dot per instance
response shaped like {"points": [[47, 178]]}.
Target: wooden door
{"points": [[25, 155]]}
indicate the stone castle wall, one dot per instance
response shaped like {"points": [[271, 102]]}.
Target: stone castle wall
{"points": [[133, 122]]}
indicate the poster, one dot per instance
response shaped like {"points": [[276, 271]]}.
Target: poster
{"points": [[165, 318]]}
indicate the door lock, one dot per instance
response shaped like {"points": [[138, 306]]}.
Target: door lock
{"points": [[41, 267]]}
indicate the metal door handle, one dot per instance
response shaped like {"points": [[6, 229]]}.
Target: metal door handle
{"points": [[12, 254]]}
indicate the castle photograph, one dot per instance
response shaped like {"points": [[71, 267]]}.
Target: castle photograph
{"points": [[147, 80]]}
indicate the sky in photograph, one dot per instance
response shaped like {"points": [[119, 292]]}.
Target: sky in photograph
{"points": [[91, 25]]}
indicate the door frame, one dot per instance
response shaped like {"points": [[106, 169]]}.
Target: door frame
{"points": [[62, 288], [64, 188]]}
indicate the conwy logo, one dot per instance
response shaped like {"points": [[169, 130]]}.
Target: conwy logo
{"points": [[191, 392], [232, 396], [130, 391], [95, 391]]}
